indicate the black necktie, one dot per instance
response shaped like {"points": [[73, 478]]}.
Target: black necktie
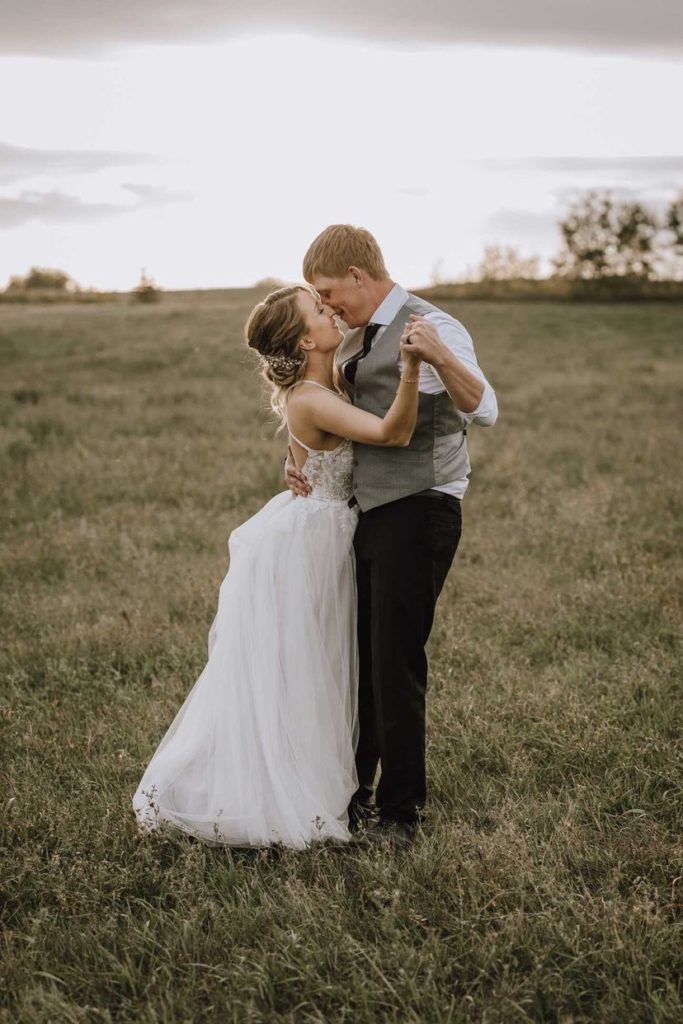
{"points": [[352, 365]]}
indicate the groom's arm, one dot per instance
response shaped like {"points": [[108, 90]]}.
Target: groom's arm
{"points": [[449, 363]]}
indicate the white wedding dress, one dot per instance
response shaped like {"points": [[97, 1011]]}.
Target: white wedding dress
{"points": [[262, 749]]}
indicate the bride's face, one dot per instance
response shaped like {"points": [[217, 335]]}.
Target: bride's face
{"points": [[321, 322]]}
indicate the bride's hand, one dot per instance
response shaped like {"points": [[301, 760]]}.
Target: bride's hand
{"points": [[295, 479], [409, 354]]}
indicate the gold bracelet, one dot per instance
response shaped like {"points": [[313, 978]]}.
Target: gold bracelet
{"points": [[409, 380]]}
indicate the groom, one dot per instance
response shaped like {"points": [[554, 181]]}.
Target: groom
{"points": [[409, 509]]}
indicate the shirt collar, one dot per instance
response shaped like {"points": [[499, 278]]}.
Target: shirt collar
{"points": [[389, 307]]}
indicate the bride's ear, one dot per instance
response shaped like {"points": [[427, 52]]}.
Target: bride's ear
{"points": [[307, 344]]}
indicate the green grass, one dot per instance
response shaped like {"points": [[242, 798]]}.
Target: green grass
{"points": [[547, 885]]}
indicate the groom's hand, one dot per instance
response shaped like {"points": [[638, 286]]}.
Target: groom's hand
{"points": [[295, 479], [464, 387], [423, 338]]}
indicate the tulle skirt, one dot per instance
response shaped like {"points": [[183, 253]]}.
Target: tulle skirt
{"points": [[262, 749]]}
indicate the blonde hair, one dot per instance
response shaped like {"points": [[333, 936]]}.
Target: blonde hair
{"points": [[274, 329], [342, 246]]}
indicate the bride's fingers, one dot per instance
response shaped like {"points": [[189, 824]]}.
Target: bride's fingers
{"points": [[408, 349]]}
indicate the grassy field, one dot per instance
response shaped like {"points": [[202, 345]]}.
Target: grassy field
{"points": [[547, 884]]}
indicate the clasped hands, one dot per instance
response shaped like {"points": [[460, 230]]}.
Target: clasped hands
{"points": [[423, 339]]}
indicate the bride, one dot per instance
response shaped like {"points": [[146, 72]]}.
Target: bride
{"points": [[262, 749]]}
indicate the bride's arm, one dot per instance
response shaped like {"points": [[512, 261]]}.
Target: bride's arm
{"points": [[335, 416]]}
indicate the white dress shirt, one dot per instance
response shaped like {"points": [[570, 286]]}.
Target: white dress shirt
{"points": [[457, 339]]}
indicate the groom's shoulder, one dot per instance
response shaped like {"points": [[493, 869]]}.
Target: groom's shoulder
{"points": [[417, 303], [423, 307]]}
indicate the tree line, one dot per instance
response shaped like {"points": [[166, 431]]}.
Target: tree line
{"points": [[609, 248], [45, 284], [602, 238]]}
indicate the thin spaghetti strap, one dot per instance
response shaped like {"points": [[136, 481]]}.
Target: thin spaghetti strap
{"points": [[316, 385], [295, 438], [289, 429]]}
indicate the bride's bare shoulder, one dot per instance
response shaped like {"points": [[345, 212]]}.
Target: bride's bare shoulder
{"points": [[300, 397], [307, 395]]}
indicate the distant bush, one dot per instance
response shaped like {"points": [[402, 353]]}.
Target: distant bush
{"points": [[603, 238], [43, 279], [268, 284], [48, 285], [146, 290], [505, 263], [41, 284]]}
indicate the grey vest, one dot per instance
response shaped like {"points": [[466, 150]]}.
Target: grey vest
{"points": [[437, 452]]}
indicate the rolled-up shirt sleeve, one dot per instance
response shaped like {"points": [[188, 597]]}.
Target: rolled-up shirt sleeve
{"points": [[457, 339]]}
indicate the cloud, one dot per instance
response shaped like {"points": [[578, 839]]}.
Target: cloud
{"points": [[55, 207], [17, 162], [79, 27], [668, 164], [157, 195]]}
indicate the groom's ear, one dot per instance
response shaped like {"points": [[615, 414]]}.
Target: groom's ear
{"points": [[358, 276]]}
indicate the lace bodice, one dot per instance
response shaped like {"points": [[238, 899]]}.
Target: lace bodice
{"points": [[329, 473]]}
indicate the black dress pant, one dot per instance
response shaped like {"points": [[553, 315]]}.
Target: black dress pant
{"points": [[403, 553]]}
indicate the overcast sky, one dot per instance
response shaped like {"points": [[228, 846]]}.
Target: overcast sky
{"points": [[210, 141]]}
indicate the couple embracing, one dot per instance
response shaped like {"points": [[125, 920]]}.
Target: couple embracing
{"points": [[317, 672]]}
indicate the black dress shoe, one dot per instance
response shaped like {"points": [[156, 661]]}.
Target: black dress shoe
{"points": [[387, 832], [361, 815]]}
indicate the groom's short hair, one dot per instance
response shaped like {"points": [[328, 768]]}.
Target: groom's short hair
{"points": [[342, 246]]}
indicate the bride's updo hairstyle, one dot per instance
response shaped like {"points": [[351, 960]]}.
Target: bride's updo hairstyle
{"points": [[274, 329]]}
